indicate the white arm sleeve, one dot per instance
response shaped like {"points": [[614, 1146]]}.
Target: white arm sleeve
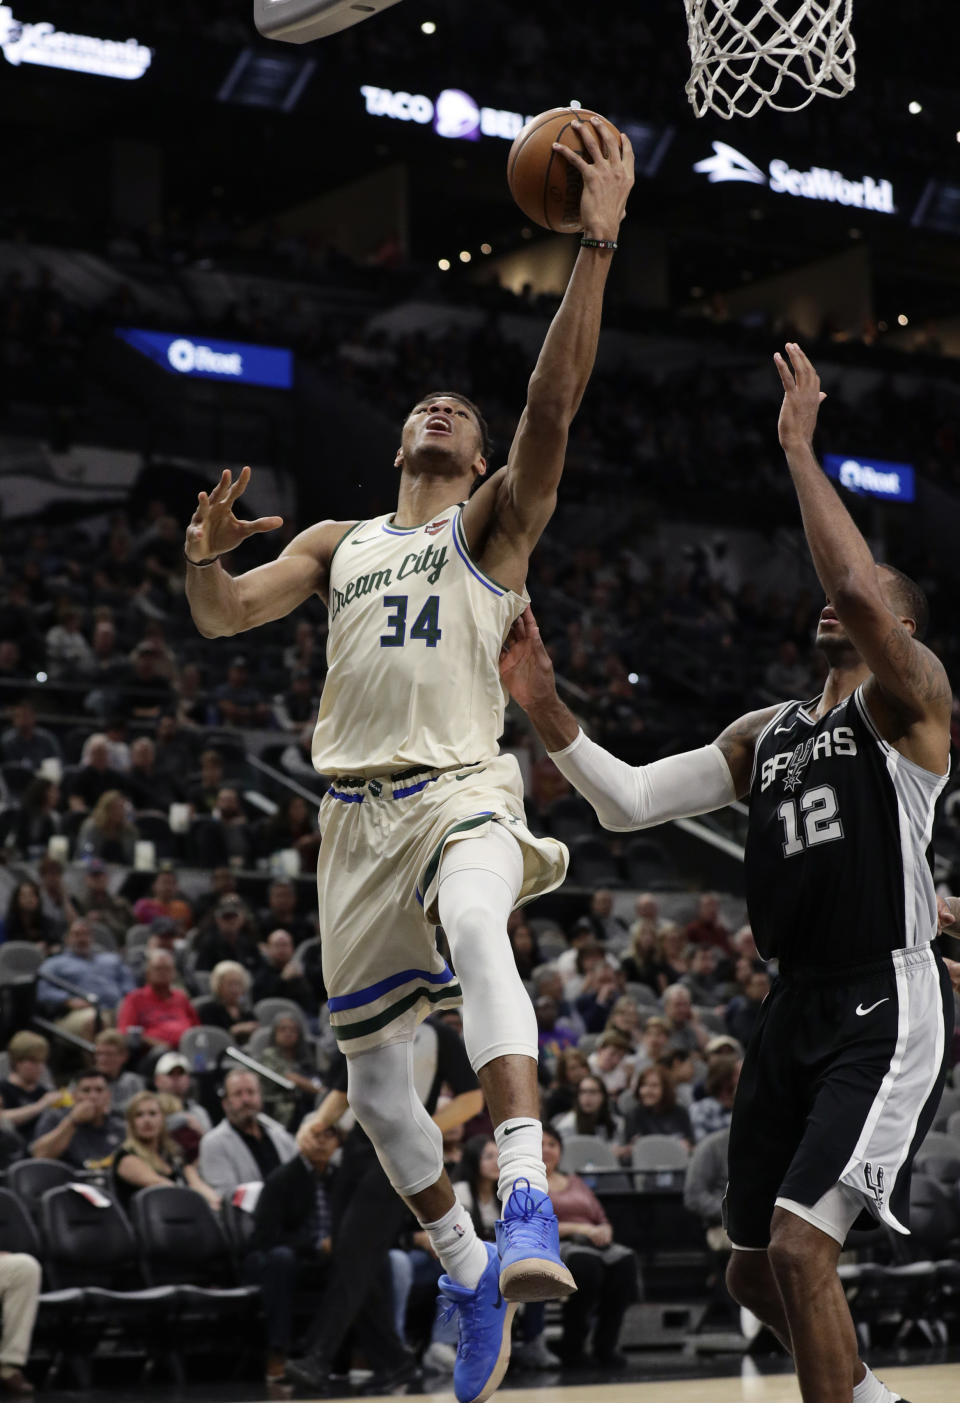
{"points": [[627, 796]]}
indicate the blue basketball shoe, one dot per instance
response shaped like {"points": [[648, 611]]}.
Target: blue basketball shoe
{"points": [[528, 1239], [483, 1348]]}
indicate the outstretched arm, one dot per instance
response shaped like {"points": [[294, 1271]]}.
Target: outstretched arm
{"points": [[223, 604], [910, 678], [625, 797], [527, 494]]}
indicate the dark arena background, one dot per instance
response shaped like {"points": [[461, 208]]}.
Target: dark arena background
{"points": [[217, 249]]}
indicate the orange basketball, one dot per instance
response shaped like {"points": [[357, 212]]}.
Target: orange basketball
{"points": [[545, 185]]}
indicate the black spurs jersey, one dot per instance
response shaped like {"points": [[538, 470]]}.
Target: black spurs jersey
{"points": [[838, 867]]}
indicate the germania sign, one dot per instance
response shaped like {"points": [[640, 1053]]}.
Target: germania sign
{"points": [[42, 44], [818, 183]]}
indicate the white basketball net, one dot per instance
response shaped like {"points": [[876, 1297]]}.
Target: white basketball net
{"points": [[747, 53]]}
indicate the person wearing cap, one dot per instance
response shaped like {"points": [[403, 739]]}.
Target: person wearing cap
{"points": [[101, 975], [240, 704], [232, 936], [99, 905], [165, 934], [171, 1077]]}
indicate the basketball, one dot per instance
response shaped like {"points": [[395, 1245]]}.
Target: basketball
{"points": [[544, 184]]}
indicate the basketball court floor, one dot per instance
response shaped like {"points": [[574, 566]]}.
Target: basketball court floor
{"points": [[921, 1377]]}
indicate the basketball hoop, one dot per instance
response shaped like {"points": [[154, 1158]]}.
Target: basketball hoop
{"points": [[299, 21], [781, 54]]}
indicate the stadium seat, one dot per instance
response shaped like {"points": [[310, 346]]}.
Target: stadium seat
{"points": [[585, 1153], [266, 1010], [643, 995], [30, 1179], [16, 778], [203, 1047], [85, 1244], [259, 1040], [57, 1332], [185, 1248], [661, 1162], [570, 818], [18, 1232], [949, 1106], [180, 1238], [647, 865], [238, 1227], [155, 828], [592, 864], [935, 1143], [19, 961]]}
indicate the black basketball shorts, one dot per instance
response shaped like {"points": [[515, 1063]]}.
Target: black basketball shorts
{"points": [[840, 1084]]}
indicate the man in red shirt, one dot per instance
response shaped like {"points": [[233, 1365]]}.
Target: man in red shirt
{"points": [[708, 929], [164, 1013]]}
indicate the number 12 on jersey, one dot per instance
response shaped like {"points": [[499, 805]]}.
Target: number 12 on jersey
{"points": [[425, 627], [818, 812]]}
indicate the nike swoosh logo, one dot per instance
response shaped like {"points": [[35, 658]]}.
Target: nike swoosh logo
{"points": [[778, 729], [861, 1011], [511, 1128], [365, 542], [469, 775]]}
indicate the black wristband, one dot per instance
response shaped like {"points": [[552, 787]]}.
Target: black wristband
{"points": [[200, 564], [598, 243]]}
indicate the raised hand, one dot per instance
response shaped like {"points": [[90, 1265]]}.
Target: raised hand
{"points": [[525, 666], [802, 398], [213, 529], [607, 172]]}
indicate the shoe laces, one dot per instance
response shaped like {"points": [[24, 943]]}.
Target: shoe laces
{"points": [[447, 1307], [525, 1212]]}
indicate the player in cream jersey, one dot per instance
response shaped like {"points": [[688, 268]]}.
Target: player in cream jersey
{"points": [[423, 822], [413, 607]]}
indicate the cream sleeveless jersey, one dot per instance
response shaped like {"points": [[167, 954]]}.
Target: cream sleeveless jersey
{"points": [[416, 629]]}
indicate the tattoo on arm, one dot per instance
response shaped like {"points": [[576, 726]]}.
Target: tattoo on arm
{"points": [[920, 673], [738, 742]]}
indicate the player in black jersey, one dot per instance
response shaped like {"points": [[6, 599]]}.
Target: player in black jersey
{"points": [[844, 1071]]}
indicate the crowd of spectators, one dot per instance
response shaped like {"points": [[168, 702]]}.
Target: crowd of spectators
{"points": [[625, 1054]]}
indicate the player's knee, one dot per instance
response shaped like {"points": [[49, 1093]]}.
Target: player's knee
{"points": [[470, 929], [793, 1252], [748, 1278]]}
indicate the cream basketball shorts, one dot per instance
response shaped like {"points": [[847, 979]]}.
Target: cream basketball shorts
{"points": [[377, 880]]}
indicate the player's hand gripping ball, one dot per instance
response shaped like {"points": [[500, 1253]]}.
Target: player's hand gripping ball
{"points": [[544, 183]]}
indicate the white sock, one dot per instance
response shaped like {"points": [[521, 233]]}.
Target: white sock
{"points": [[871, 1390], [455, 1241], [520, 1155]]}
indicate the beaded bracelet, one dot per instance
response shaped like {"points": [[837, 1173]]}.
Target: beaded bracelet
{"points": [[200, 564], [598, 243]]}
